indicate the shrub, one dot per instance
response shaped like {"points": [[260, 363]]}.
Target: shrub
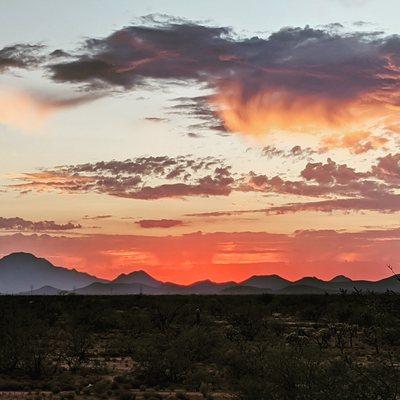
{"points": [[204, 389], [67, 395], [101, 387], [151, 394], [126, 395], [181, 395]]}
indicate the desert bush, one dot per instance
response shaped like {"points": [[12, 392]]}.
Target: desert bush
{"points": [[126, 395], [181, 395], [101, 387]]}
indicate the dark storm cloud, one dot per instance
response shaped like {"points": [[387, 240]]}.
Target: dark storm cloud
{"points": [[317, 77], [129, 55], [295, 78], [320, 62]]}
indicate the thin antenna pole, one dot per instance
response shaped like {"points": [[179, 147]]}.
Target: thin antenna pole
{"points": [[393, 272]]}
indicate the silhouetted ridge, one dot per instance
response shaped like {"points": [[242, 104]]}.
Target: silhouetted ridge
{"points": [[340, 279], [22, 257], [27, 274], [24, 272], [273, 282], [140, 277]]}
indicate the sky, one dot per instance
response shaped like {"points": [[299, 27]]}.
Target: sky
{"points": [[202, 140]]}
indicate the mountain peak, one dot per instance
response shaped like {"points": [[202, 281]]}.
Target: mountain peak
{"points": [[20, 256], [203, 282], [24, 272], [141, 272], [273, 282], [139, 276], [309, 279], [340, 279], [23, 259]]}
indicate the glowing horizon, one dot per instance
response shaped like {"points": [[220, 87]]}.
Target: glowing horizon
{"points": [[194, 143]]}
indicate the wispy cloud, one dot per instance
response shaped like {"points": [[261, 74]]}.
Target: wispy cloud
{"points": [[35, 107], [20, 224], [96, 217], [328, 185], [177, 177], [159, 223], [20, 56]]}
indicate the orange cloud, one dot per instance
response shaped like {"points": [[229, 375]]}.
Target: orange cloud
{"points": [[272, 110], [29, 112], [357, 142], [23, 111], [314, 80]]}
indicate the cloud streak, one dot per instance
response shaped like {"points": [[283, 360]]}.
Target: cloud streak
{"points": [[144, 178], [20, 224], [328, 185], [159, 223], [34, 107]]}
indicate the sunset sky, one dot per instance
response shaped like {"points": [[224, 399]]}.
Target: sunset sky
{"points": [[196, 140]]}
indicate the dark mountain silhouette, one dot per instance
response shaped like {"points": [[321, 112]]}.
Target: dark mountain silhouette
{"points": [[273, 282], [21, 272], [302, 289], [242, 289], [99, 288], [44, 291], [340, 279], [311, 281], [173, 288], [390, 283], [26, 274], [207, 287], [140, 277]]}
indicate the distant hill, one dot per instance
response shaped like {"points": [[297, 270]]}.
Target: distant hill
{"points": [[99, 288], [273, 282], [23, 273], [340, 279], [140, 277], [19, 272], [242, 289], [43, 291], [311, 281], [207, 287], [302, 289]]}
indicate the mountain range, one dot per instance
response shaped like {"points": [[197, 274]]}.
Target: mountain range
{"points": [[23, 273]]}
